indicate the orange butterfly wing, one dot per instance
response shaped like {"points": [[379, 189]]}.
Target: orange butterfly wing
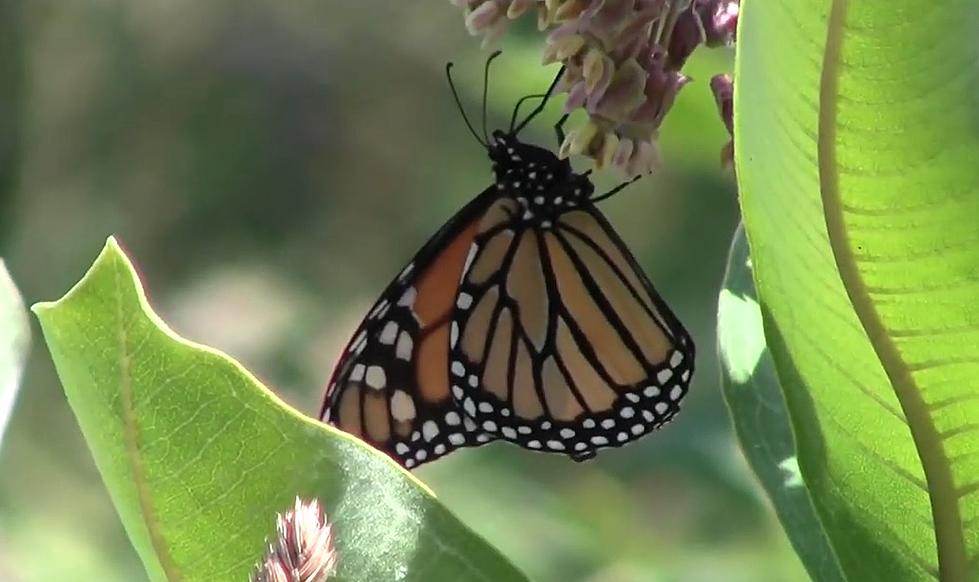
{"points": [[391, 385], [560, 343]]}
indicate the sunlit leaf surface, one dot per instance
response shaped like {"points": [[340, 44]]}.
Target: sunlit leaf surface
{"points": [[857, 148], [198, 456], [761, 421]]}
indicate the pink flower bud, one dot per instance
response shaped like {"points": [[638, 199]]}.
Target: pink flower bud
{"points": [[483, 17], [721, 26], [303, 550], [723, 88]]}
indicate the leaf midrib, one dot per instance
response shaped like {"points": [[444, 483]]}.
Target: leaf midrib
{"points": [[953, 564], [131, 439]]}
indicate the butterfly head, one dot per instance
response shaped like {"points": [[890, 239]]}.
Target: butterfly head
{"points": [[528, 172]]}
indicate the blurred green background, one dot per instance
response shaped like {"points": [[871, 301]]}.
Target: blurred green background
{"points": [[270, 166]]}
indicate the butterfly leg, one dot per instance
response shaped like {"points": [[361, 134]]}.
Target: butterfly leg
{"points": [[615, 190], [559, 129], [541, 105]]}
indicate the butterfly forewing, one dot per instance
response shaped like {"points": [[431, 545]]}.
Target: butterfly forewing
{"points": [[391, 385], [563, 345]]}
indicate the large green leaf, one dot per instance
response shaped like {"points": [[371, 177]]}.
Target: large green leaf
{"points": [[857, 127], [198, 456], [761, 422], [15, 339]]}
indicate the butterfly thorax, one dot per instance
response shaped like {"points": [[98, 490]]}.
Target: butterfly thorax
{"points": [[543, 185]]}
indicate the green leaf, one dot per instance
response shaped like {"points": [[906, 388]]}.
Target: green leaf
{"points": [[858, 164], [198, 456], [15, 341], [761, 422]]}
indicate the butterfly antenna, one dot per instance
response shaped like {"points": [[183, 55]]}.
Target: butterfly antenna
{"points": [[615, 190], [486, 72], [455, 96], [541, 105]]}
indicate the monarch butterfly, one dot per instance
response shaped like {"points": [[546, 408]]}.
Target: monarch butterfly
{"points": [[524, 318]]}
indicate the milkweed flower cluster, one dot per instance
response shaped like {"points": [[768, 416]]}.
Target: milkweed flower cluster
{"points": [[622, 59], [303, 549]]}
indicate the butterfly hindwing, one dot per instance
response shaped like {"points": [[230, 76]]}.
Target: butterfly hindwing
{"points": [[562, 343], [390, 386]]}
